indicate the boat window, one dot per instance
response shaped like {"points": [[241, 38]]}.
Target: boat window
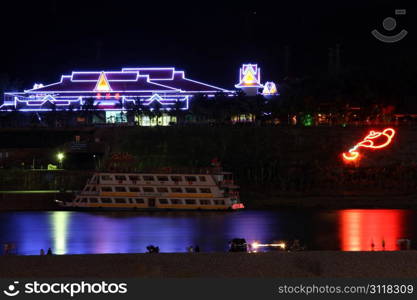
{"points": [[148, 178], [93, 189], [162, 178], [162, 190], [120, 200], [176, 190], [189, 201], [205, 190], [83, 200], [205, 202], [120, 177], [134, 177], [120, 189], [191, 190], [148, 190], [202, 178], [219, 202], [176, 178], [139, 200], [87, 189], [163, 201], [190, 178], [134, 189], [93, 200], [176, 201], [106, 189], [106, 200], [106, 177]]}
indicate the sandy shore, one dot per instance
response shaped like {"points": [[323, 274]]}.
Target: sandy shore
{"points": [[401, 264]]}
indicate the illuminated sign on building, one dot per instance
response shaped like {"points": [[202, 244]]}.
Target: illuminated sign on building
{"points": [[112, 90], [102, 84], [374, 140]]}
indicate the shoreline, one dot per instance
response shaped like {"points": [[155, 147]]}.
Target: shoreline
{"points": [[44, 200], [318, 264]]}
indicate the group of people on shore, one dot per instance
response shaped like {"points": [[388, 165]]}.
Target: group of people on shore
{"points": [[48, 252]]}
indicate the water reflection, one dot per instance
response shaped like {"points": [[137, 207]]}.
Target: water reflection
{"points": [[368, 230], [59, 223], [130, 232]]}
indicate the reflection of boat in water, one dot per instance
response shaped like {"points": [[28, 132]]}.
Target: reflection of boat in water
{"points": [[158, 191]]}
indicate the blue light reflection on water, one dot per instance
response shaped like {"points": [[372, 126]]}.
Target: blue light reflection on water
{"points": [[130, 232]]}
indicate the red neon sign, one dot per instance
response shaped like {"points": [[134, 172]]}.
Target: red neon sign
{"points": [[374, 140]]}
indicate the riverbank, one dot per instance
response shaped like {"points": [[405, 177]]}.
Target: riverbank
{"points": [[44, 200], [325, 264], [32, 200], [335, 201]]}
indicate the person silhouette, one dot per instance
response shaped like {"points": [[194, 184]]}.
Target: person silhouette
{"points": [[49, 251]]}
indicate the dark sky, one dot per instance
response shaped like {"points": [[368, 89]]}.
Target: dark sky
{"points": [[209, 40]]}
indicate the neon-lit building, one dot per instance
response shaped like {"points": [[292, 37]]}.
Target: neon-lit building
{"points": [[249, 79], [112, 91], [112, 94], [270, 89]]}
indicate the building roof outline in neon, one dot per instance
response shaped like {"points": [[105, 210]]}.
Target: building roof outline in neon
{"points": [[92, 72]]}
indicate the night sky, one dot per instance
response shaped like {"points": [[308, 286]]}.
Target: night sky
{"points": [[43, 39]]}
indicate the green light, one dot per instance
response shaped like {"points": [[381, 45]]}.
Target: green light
{"points": [[307, 120], [60, 156]]}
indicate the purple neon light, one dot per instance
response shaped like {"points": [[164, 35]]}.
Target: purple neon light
{"points": [[256, 72], [165, 85]]}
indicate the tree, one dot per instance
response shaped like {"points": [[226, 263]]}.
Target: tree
{"points": [[89, 110]]}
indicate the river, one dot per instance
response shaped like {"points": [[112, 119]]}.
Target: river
{"points": [[68, 232]]}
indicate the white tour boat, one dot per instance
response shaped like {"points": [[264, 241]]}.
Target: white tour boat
{"points": [[158, 191]]}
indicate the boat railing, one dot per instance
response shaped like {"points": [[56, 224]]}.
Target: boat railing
{"points": [[208, 171]]}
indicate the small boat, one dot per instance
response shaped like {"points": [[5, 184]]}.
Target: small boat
{"points": [[158, 191]]}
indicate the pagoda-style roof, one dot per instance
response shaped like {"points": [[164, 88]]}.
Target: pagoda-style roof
{"points": [[155, 80]]}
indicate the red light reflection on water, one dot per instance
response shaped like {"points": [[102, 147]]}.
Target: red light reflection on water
{"points": [[367, 230]]}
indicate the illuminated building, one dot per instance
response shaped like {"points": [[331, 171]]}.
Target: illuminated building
{"points": [[270, 89], [112, 92], [249, 79], [150, 93]]}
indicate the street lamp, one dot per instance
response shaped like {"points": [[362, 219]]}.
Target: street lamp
{"points": [[60, 156]]}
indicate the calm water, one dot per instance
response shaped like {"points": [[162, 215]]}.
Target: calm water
{"points": [[128, 232]]}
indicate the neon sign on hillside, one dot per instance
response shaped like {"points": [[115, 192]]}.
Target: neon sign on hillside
{"points": [[375, 140]]}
